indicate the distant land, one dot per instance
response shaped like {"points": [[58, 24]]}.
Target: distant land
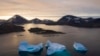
{"points": [[43, 31], [9, 28], [71, 20]]}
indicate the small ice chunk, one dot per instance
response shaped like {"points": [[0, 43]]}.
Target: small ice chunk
{"points": [[79, 47]]}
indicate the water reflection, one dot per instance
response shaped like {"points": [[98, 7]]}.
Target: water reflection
{"points": [[89, 37]]}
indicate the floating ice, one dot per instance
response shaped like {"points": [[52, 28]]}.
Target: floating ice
{"points": [[24, 46], [35, 48], [54, 47], [79, 47]]}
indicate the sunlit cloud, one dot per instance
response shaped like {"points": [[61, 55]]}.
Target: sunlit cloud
{"points": [[37, 8]]}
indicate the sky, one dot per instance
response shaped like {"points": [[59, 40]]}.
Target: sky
{"points": [[48, 9]]}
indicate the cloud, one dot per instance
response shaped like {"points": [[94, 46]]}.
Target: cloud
{"points": [[49, 7]]}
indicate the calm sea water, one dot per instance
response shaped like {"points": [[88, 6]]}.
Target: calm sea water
{"points": [[90, 37]]}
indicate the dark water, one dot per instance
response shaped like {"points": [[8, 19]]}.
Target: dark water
{"points": [[89, 37]]}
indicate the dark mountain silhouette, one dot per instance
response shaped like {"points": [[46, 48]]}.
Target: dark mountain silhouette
{"points": [[17, 19], [69, 19], [47, 21], [2, 21], [8, 28], [79, 22], [96, 22], [65, 20], [36, 21]]}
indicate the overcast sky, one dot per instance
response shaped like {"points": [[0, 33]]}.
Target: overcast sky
{"points": [[44, 8]]}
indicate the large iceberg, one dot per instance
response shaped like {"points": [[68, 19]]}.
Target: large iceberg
{"points": [[24, 46], [56, 49]]}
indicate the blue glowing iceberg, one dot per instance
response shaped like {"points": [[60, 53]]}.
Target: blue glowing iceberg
{"points": [[56, 49], [79, 47], [25, 47]]}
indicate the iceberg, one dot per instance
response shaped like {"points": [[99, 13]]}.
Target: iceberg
{"points": [[35, 48], [48, 43], [55, 49], [22, 49], [79, 47], [25, 47]]}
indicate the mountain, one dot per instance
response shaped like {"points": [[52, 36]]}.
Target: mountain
{"points": [[17, 19], [79, 22], [36, 21], [68, 19], [2, 21], [46, 21], [97, 22]]}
